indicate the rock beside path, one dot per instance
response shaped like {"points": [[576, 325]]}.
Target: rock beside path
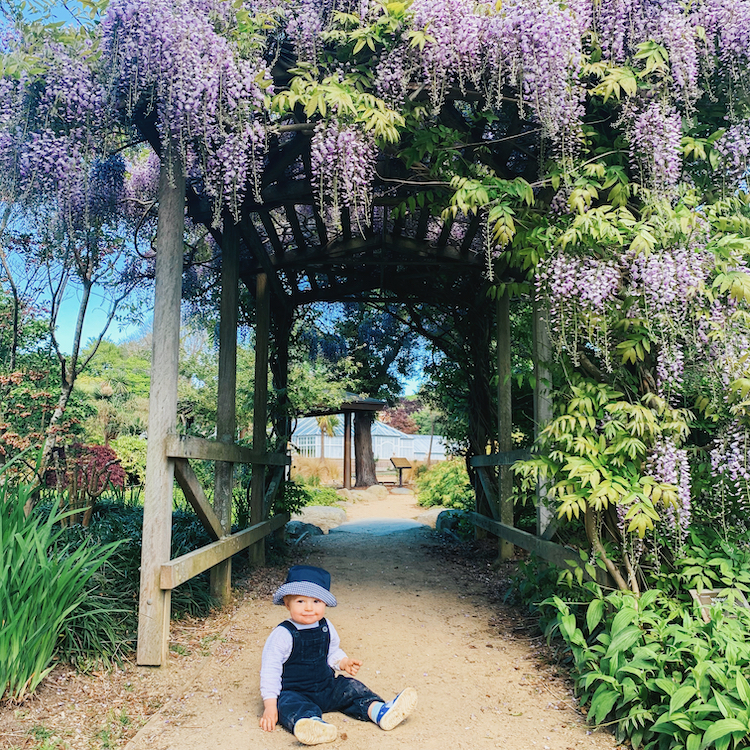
{"points": [[323, 516]]}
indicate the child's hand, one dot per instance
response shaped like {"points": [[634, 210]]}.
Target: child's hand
{"points": [[270, 717], [350, 666]]}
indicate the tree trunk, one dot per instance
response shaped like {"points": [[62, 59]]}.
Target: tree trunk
{"points": [[364, 459]]}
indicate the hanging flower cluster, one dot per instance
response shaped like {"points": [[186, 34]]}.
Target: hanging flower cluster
{"points": [[343, 163], [734, 147], [170, 56], [668, 286], [533, 46], [581, 293], [669, 464], [731, 470], [655, 137]]}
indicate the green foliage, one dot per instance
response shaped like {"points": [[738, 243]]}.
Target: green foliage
{"points": [[707, 562], [595, 455], [298, 495], [43, 583], [106, 625], [649, 667], [660, 675], [132, 454], [447, 484]]}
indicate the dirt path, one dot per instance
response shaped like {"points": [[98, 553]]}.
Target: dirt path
{"points": [[413, 621]]}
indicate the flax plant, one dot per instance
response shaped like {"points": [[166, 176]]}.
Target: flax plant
{"points": [[42, 582]]}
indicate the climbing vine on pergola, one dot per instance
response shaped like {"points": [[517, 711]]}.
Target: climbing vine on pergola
{"points": [[447, 154]]}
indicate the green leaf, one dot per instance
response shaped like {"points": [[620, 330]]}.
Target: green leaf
{"points": [[724, 728], [681, 697], [602, 703], [594, 614], [624, 640]]}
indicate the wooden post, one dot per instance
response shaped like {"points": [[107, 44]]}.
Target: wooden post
{"points": [[226, 420], [545, 518], [347, 450], [257, 552], [504, 417], [154, 603]]}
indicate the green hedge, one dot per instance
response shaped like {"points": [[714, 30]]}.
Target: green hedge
{"points": [[447, 484]]}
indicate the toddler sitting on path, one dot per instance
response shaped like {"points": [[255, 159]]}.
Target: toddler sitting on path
{"points": [[297, 680]]}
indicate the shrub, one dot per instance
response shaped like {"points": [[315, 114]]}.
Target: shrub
{"points": [[446, 483], [649, 666], [297, 495], [43, 584], [107, 623], [132, 454]]}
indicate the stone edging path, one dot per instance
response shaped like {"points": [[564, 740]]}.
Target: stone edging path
{"points": [[413, 621]]}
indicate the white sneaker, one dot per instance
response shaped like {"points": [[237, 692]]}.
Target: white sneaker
{"points": [[395, 711], [315, 731]]}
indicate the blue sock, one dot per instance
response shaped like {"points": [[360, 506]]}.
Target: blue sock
{"points": [[376, 710]]}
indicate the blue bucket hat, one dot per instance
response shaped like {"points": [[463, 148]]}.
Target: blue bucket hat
{"points": [[306, 580]]}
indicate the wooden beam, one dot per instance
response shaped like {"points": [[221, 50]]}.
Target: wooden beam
{"points": [[154, 603], [179, 446], [183, 568], [347, 450], [490, 492], [299, 237], [195, 495], [504, 416], [260, 407], [506, 458], [543, 410], [445, 232], [255, 244], [226, 397], [470, 234], [562, 557]]}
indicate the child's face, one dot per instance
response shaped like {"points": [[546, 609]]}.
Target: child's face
{"points": [[305, 610]]}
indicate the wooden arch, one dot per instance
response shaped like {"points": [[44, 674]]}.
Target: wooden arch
{"points": [[281, 249]]}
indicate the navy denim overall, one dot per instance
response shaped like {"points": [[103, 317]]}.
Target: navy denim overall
{"points": [[308, 685]]}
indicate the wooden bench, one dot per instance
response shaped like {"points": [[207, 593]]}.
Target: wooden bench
{"points": [[400, 464]]}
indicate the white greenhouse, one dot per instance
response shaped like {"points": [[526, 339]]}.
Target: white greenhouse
{"points": [[387, 442]]}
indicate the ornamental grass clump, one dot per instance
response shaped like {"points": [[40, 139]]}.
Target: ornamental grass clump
{"points": [[41, 585]]}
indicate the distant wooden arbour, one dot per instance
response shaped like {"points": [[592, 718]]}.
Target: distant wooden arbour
{"points": [[282, 251]]}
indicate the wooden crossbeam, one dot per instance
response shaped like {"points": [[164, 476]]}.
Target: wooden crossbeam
{"points": [[500, 459], [210, 450], [445, 232], [293, 219], [490, 492], [562, 557], [195, 495], [470, 233], [188, 566]]}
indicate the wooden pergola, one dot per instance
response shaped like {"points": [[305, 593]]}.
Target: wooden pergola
{"points": [[282, 251]]}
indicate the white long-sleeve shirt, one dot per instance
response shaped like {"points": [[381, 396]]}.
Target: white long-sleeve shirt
{"points": [[278, 649]]}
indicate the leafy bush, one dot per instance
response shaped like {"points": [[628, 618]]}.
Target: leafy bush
{"points": [[43, 584], [132, 454], [297, 495], [110, 630], [446, 483], [649, 666], [659, 674]]}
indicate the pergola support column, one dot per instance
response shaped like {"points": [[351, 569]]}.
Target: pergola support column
{"points": [[226, 419], [154, 603], [545, 517], [504, 418], [347, 450], [257, 552]]}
